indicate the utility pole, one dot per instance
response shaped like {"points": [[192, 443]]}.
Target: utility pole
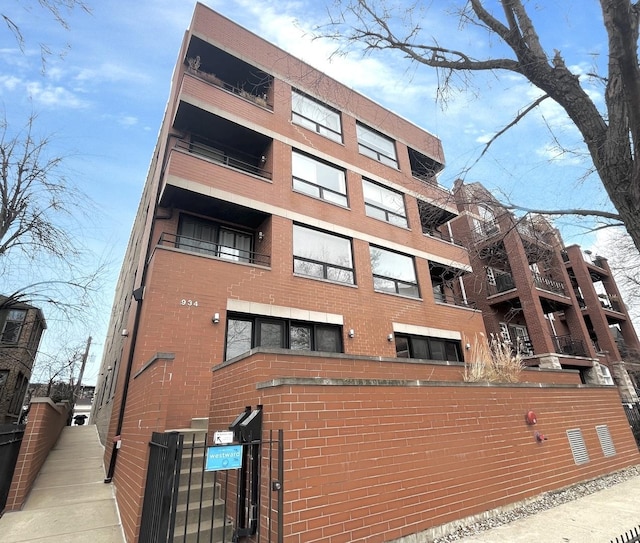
{"points": [[76, 391]]}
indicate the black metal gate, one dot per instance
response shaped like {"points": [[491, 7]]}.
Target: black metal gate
{"points": [[633, 416], [185, 502], [10, 440]]}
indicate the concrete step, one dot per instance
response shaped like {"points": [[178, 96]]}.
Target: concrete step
{"points": [[197, 533], [206, 512]]}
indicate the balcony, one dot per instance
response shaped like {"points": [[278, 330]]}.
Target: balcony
{"points": [[219, 250], [500, 282], [224, 155], [221, 141], [434, 219], [549, 285], [451, 299], [484, 230], [610, 302], [219, 68], [423, 167], [568, 345]]}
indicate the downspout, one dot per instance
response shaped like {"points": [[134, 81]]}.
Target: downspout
{"points": [[138, 295]]}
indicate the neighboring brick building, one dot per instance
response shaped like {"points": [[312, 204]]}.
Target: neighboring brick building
{"points": [[291, 250], [21, 327], [556, 308]]}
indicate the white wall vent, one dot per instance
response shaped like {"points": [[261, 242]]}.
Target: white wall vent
{"points": [[578, 448], [608, 449]]}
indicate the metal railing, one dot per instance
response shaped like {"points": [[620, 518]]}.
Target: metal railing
{"points": [[568, 345], [485, 230], [223, 155], [632, 536], [260, 100], [452, 299], [501, 282], [210, 248], [547, 283], [10, 439]]}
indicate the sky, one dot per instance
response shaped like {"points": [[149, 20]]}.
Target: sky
{"points": [[103, 91]]}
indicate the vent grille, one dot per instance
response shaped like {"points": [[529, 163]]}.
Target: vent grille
{"points": [[605, 440], [578, 448]]}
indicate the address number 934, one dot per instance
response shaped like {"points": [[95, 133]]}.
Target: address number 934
{"points": [[193, 303]]}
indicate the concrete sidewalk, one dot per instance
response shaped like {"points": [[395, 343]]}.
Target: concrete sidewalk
{"points": [[69, 501], [597, 518]]}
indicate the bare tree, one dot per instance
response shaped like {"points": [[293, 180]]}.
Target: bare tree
{"points": [[57, 9], [611, 135], [41, 261]]}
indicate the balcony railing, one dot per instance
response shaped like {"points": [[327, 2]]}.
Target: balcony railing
{"points": [[501, 282], [610, 301], [452, 299], [570, 346], [484, 230], [550, 285], [209, 248], [222, 156], [214, 80]]}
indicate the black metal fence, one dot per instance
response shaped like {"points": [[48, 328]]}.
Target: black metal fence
{"points": [[632, 536], [633, 416], [10, 439], [187, 501]]}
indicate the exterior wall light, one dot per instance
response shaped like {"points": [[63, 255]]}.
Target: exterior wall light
{"points": [[216, 318], [390, 337], [352, 333]]}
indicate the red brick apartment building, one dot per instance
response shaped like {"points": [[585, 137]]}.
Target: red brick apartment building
{"points": [[21, 327], [287, 274]]}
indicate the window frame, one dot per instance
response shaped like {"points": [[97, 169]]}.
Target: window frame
{"points": [[341, 196], [326, 267], [286, 327], [376, 152], [397, 281], [379, 205], [12, 326], [429, 342], [300, 119]]}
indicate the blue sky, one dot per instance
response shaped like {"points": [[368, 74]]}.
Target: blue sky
{"points": [[105, 98]]}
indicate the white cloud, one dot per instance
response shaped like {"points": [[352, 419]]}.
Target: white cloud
{"points": [[53, 96], [128, 121], [10, 82]]}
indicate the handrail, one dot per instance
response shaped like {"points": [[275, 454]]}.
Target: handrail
{"points": [[194, 245]]}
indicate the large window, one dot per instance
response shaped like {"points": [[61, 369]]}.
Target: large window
{"points": [[384, 204], [245, 332], [12, 325], [322, 255], [315, 116], [430, 348], [393, 272], [375, 145], [207, 237], [318, 179]]}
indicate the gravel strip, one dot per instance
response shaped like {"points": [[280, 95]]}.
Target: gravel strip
{"points": [[541, 503]]}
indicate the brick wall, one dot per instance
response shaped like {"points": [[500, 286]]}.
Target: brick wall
{"points": [[46, 421], [375, 460]]}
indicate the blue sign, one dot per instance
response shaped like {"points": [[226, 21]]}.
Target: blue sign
{"points": [[224, 457]]}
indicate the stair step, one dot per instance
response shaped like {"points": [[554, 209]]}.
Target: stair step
{"points": [[206, 512], [198, 534]]}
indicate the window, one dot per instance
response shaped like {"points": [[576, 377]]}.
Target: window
{"points": [[315, 178], [430, 348], [322, 255], [393, 272], [376, 146], [4, 375], [18, 394], [245, 332], [207, 237], [384, 204], [13, 325], [315, 116]]}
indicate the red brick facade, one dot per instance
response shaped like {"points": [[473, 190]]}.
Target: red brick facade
{"points": [[223, 166]]}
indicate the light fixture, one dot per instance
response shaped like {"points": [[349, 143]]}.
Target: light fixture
{"points": [[352, 332], [124, 332], [390, 337], [216, 318], [467, 346], [263, 159], [260, 236]]}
